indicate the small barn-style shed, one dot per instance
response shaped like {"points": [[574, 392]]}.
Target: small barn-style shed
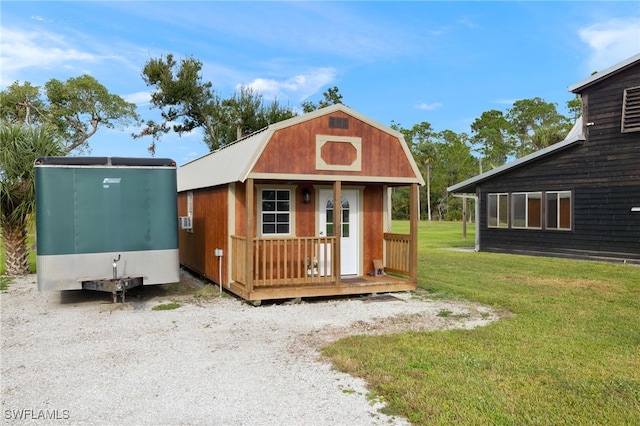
{"points": [[301, 208], [579, 198]]}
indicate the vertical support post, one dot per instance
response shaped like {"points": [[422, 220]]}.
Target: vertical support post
{"points": [[387, 227], [464, 218], [249, 233], [337, 228], [413, 230], [428, 189]]}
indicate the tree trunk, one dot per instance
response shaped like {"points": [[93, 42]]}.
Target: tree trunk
{"points": [[15, 247]]}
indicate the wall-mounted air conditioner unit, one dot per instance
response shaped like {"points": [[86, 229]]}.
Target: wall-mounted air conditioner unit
{"points": [[186, 222]]}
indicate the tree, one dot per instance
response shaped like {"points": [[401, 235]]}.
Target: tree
{"points": [[331, 97], [75, 109], [79, 106], [536, 124], [22, 104], [455, 163], [20, 146], [187, 103], [420, 142], [275, 112], [246, 112], [448, 157], [492, 138], [528, 126], [575, 107]]}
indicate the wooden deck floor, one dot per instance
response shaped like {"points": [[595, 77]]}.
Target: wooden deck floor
{"points": [[348, 286]]}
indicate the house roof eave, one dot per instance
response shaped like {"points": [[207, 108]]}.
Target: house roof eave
{"points": [[469, 185], [597, 77]]}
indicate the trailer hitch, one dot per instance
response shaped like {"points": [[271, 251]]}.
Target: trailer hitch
{"points": [[117, 286], [115, 267]]}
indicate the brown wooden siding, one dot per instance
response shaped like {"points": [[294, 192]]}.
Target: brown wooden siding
{"points": [[240, 209], [293, 150], [210, 232], [604, 175], [373, 238], [305, 213]]}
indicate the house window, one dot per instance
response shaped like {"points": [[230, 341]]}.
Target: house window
{"points": [[276, 211], [498, 210], [331, 214], [631, 110], [190, 203], [189, 223], [526, 208], [558, 210]]}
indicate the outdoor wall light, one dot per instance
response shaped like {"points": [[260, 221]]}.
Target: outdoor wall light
{"points": [[306, 196]]}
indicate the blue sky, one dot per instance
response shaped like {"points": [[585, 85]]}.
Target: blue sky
{"points": [[408, 62]]}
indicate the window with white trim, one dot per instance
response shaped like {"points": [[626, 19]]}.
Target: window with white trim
{"points": [[275, 211], [498, 210], [190, 203], [190, 210], [558, 210], [526, 210]]}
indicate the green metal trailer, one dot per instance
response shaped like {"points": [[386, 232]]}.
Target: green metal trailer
{"points": [[106, 223]]}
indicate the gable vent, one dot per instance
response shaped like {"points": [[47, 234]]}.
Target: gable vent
{"points": [[631, 110], [338, 123]]}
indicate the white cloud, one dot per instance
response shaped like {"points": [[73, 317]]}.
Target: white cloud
{"points": [[37, 55], [23, 50], [611, 42], [138, 98], [299, 86], [428, 107]]}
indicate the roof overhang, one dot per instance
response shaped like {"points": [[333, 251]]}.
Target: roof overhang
{"points": [[574, 137], [597, 77]]}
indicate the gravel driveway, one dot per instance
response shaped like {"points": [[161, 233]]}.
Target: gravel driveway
{"points": [[213, 361]]}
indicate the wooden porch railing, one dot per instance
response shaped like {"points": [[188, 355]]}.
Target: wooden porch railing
{"points": [[285, 261], [397, 250]]}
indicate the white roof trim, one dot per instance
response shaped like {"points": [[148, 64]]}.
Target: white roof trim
{"points": [[603, 74], [574, 136], [234, 162]]}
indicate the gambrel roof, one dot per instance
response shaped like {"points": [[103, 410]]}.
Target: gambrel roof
{"points": [[235, 162]]}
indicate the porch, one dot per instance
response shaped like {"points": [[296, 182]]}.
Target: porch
{"points": [[264, 268], [283, 268]]}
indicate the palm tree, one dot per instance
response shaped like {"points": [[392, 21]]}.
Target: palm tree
{"points": [[20, 146]]}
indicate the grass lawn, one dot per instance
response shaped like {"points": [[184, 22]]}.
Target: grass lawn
{"points": [[568, 353]]}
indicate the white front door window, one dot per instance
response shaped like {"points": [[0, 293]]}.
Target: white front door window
{"points": [[349, 244]]}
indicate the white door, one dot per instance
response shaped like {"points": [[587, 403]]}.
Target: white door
{"points": [[349, 245]]}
